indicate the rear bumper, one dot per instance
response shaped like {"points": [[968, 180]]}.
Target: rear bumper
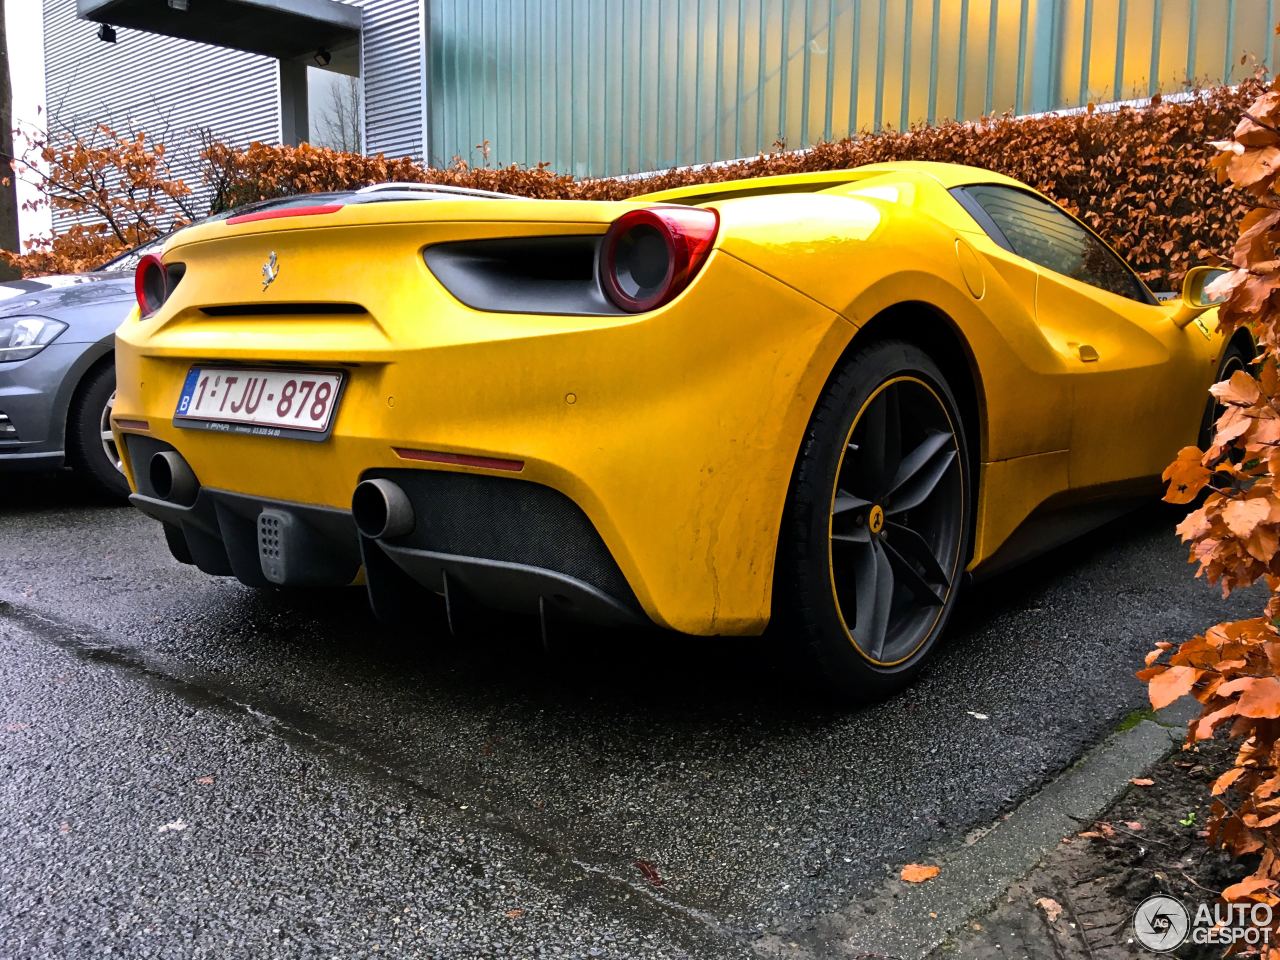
{"points": [[673, 434], [505, 543]]}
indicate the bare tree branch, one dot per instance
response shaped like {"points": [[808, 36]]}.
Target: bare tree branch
{"points": [[338, 123]]}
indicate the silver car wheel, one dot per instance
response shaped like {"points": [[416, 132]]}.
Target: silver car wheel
{"points": [[108, 438]]}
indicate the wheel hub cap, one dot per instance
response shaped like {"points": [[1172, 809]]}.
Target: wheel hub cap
{"points": [[875, 522]]}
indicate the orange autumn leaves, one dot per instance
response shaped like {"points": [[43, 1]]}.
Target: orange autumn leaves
{"points": [[1235, 533], [115, 185], [1233, 669]]}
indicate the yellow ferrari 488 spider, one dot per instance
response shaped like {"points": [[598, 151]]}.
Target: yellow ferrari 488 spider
{"points": [[820, 400]]}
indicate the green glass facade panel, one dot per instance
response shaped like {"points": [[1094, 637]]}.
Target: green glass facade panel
{"points": [[603, 87]]}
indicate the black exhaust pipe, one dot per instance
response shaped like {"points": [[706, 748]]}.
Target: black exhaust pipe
{"points": [[172, 479], [381, 509]]}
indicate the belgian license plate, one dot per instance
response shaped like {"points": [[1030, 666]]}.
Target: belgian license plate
{"points": [[268, 402]]}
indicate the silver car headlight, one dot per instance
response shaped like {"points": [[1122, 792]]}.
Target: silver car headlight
{"points": [[23, 337]]}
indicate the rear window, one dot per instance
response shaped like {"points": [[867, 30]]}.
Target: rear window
{"points": [[1043, 233]]}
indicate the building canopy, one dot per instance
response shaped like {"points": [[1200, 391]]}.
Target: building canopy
{"points": [[285, 29]]}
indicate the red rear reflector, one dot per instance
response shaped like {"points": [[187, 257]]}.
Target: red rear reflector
{"points": [[124, 424], [286, 212], [460, 459]]}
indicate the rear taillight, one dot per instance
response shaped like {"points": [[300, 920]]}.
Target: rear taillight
{"points": [[650, 255], [150, 284]]}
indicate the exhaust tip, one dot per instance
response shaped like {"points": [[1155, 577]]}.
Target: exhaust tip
{"points": [[381, 509], [172, 479]]}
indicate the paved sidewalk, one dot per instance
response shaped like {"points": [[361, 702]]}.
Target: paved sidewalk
{"points": [[997, 874], [1078, 903]]}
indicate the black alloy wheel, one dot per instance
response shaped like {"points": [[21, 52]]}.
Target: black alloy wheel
{"points": [[896, 519], [877, 531]]}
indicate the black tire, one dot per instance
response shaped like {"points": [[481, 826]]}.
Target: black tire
{"points": [[88, 451], [852, 522], [1234, 358]]}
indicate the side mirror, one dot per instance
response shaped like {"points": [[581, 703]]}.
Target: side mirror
{"points": [[1194, 299]]}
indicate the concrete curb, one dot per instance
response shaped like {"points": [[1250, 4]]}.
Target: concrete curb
{"points": [[907, 921]]}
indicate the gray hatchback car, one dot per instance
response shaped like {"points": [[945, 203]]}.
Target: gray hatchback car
{"points": [[57, 374]]}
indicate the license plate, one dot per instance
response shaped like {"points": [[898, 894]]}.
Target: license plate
{"points": [[270, 402]]}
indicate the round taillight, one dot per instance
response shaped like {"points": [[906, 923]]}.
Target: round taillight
{"points": [[150, 284], [649, 255]]}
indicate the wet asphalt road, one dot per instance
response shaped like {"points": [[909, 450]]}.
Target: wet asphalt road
{"points": [[189, 767]]}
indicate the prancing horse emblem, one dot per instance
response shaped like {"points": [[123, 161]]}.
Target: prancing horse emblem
{"points": [[270, 270]]}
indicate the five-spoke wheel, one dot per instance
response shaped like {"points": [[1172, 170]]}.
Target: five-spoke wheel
{"points": [[895, 519], [878, 520]]}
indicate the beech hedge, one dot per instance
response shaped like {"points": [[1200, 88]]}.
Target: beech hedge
{"points": [[1136, 174]]}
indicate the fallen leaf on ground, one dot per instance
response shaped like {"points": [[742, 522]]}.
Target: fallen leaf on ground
{"points": [[919, 872], [1247, 886], [205, 781], [650, 872], [1052, 908], [1133, 825], [1104, 831], [933, 915], [1142, 781], [515, 914]]}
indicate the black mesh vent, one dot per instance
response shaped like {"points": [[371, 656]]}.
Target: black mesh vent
{"points": [[496, 518], [269, 536]]}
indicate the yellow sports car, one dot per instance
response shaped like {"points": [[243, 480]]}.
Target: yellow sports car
{"points": [[818, 400]]}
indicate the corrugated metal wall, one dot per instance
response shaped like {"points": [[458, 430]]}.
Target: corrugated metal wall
{"points": [[394, 66], [173, 89], [613, 86], [170, 88], [597, 87]]}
